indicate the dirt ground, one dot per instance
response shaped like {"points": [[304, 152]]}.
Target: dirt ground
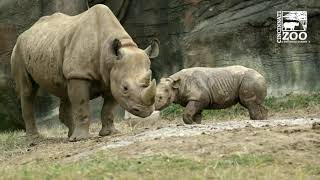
{"points": [[294, 140]]}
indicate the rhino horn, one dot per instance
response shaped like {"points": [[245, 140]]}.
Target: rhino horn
{"points": [[149, 93]]}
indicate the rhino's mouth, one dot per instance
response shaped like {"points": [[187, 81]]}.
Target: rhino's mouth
{"points": [[159, 107], [141, 111], [138, 110]]}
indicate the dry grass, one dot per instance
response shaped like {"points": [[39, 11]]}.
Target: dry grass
{"points": [[104, 166]]}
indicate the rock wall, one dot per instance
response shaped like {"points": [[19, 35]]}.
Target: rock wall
{"points": [[192, 33], [226, 32]]}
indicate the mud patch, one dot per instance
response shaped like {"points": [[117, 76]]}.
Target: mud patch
{"points": [[178, 131]]}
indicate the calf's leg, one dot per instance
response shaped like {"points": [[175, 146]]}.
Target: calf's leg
{"points": [[78, 92], [192, 112]]}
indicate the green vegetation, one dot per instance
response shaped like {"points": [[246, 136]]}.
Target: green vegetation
{"points": [[273, 104], [103, 166]]}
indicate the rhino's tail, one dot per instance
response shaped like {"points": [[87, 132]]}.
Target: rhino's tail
{"points": [[18, 70], [14, 64]]}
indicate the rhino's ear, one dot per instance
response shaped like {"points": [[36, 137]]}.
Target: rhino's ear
{"points": [[116, 45], [153, 49], [175, 84]]}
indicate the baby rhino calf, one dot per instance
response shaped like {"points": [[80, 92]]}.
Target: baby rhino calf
{"points": [[213, 88]]}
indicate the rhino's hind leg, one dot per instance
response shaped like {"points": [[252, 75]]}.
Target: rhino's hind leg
{"points": [[252, 93], [107, 117], [65, 115], [192, 112], [27, 93], [257, 111], [78, 92]]}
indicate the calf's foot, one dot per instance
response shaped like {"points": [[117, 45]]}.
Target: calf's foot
{"points": [[263, 112], [197, 118], [258, 112], [187, 118]]}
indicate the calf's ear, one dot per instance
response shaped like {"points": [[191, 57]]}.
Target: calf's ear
{"points": [[153, 49]]}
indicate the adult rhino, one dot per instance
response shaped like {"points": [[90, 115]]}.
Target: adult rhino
{"points": [[78, 58]]}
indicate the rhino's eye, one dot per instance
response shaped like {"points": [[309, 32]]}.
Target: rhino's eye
{"points": [[160, 97], [144, 85]]}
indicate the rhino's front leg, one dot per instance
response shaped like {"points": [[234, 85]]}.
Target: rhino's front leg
{"points": [[78, 92], [107, 117], [192, 112]]}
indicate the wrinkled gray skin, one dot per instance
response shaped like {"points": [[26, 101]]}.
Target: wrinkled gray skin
{"points": [[78, 58], [213, 88]]}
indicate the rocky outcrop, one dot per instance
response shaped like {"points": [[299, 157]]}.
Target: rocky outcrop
{"points": [[219, 33], [191, 32]]}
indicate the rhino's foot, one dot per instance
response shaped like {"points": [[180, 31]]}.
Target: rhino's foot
{"points": [[188, 121], [197, 118], [258, 113], [264, 112], [108, 131], [79, 134], [187, 118], [70, 132], [32, 133]]}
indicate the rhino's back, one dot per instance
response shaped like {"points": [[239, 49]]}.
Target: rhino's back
{"points": [[218, 85]]}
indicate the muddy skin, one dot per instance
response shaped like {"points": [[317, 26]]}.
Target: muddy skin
{"points": [[78, 58], [213, 88]]}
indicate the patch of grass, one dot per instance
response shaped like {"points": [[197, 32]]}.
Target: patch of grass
{"points": [[11, 144], [102, 166], [293, 101], [273, 104], [172, 111], [246, 160], [315, 170], [106, 166], [11, 140]]}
